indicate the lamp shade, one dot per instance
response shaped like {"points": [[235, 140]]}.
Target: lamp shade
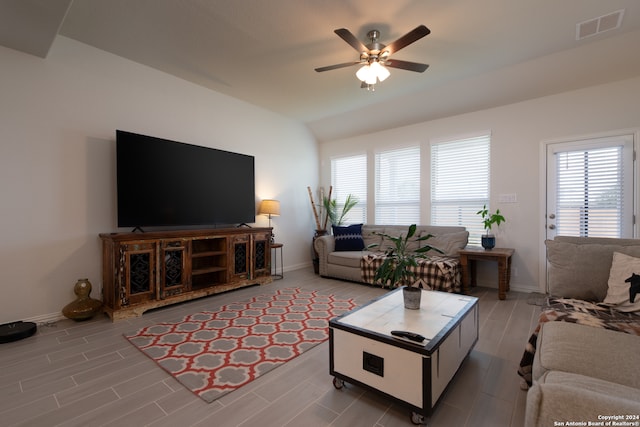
{"points": [[269, 207]]}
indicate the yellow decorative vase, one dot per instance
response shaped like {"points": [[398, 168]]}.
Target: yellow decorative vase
{"points": [[84, 307]]}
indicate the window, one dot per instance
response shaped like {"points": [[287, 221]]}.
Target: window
{"points": [[593, 187], [398, 186], [460, 183], [349, 176]]}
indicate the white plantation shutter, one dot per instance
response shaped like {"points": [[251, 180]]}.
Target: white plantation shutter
{"points": [[594, 191], [460, 183], [397, 198], [349, 176]]}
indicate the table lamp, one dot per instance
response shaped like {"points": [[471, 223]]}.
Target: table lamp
{"points": [[271, 208]]}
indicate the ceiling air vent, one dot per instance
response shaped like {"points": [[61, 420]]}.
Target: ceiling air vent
{"points": [[599, 25]]}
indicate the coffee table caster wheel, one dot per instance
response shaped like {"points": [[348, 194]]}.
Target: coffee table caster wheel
{"points": [[418, 419], [338, 383]]}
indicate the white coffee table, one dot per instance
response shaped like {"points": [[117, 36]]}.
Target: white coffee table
{"points": [[363, 351]]}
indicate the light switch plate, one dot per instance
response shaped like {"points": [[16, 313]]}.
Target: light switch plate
{"points": [[508, 198]]}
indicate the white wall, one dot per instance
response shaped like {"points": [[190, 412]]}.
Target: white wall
{"points": [[58, 118], [517, 134]]}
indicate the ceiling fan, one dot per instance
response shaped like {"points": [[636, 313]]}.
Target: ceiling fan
{"points": [[374, 56]]}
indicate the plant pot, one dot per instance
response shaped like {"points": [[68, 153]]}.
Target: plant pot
{"points": [[488, 241], [412, 297]]}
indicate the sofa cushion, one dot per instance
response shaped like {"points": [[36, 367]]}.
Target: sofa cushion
{"points": [[347, 258], [449, 243], [599, 353], [567, 396], [584, 382], [371, 236], [582, 270], [348, 238], [622, 267], [394, 231], [383, 243]]}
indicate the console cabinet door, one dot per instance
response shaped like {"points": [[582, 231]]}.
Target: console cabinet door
{"points": [[174, 267], [137, 277], [240, 250], [261, 255]]}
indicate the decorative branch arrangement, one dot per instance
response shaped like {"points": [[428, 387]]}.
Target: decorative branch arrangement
{"points": [[331, 209], [315, 211]]}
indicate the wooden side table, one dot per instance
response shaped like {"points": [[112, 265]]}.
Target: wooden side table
{"points": [[469, 256], [275, 247]]}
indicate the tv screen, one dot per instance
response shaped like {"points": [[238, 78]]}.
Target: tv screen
{"points": [[169, 183]]}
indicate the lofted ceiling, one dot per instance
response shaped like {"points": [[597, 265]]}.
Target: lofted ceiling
{"points": [[481, 53]]}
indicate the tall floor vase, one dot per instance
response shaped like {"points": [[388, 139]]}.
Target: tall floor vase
{"points": [[84, 307]]}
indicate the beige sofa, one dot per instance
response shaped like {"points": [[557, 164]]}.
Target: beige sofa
{"points": [[586, 348], [346, 265]]}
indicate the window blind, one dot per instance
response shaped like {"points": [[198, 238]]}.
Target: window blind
{"points": [[590, 192], [460, 183], [397, 186], [349, 176]]}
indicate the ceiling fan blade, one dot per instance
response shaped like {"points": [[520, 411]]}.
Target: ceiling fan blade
{"points": [[336, 66], [406, 65], [353, 41], [417, 33]]}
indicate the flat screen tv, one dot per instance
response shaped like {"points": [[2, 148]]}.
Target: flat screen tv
{"points": [[163, 183]]}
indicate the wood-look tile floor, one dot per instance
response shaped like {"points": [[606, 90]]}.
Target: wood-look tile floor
{"points": [[87, 374]]}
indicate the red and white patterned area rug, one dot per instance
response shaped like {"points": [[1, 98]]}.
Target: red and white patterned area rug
{"points": [[215, 352]]}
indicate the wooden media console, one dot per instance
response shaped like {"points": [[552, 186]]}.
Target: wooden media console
{"points": [[142, 271]]}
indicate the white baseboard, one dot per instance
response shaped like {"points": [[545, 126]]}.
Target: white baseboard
{"points": [[297, 266], [524, 288], [516, 287], [45, 318]]}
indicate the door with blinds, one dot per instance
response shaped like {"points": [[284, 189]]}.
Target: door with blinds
{"points": [[590, 187]]}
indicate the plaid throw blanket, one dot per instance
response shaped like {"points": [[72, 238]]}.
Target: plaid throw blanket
{"points": [[435, 273], [581, 312]]}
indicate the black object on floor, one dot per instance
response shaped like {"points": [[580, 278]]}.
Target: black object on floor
{"points": [[15, 331]]}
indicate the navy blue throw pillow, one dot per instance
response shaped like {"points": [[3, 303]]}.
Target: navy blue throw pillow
{"points": [[348, 238]]}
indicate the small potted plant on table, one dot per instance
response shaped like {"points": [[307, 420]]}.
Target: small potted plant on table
{"points": [[398, 264], [488, 219]]}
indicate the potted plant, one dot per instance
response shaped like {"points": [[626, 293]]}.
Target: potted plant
{"points": [[330, 214], [331, 209], [488, 220], [399, 262]]}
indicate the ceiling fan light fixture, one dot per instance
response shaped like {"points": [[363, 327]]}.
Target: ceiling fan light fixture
{"points": [[371, 79], [374, 57], [379, 71], [363, 73], [372, 73]]}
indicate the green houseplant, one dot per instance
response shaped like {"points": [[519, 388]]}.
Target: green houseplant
{"points": [[333, 214], [397, 266], [330, 214], [488, 220]]}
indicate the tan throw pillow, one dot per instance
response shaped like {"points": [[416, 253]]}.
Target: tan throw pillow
{"points": [[622, 268]]}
